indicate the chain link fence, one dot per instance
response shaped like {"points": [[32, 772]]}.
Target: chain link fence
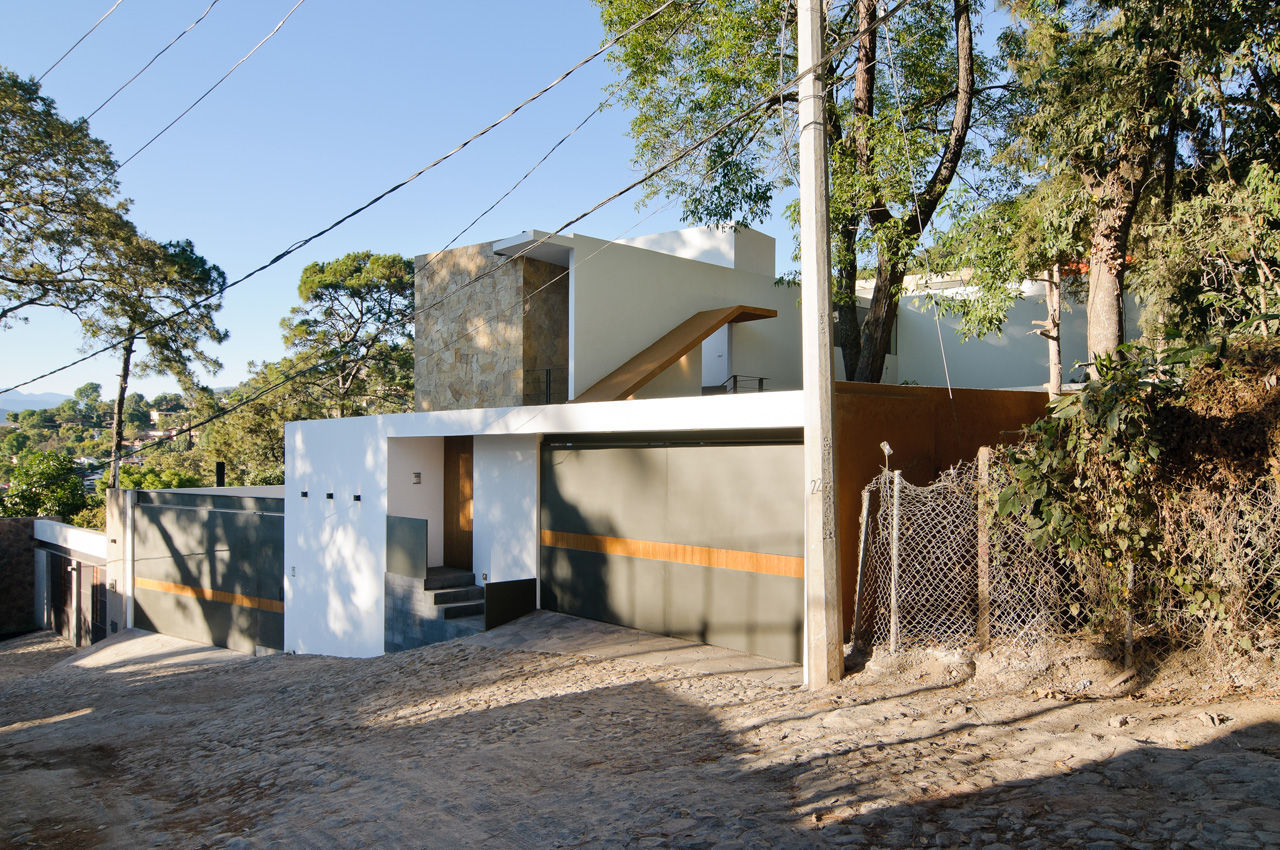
{"points": [[1222, 580], [939, 567]]}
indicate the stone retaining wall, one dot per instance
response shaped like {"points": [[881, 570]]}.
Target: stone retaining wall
{"points": [[17, 576]]}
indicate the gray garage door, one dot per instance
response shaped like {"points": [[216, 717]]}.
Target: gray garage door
{"points": [[210, 568], [691, 540]]}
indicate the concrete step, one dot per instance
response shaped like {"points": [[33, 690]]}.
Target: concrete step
{"points": [[454, 610], [441, 578], [458, 594]]}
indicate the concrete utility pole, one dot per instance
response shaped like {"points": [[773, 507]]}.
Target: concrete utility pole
{"points": [[824, 647]]}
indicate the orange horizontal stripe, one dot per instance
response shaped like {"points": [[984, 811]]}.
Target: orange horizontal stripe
{"points": [[680, 553], [273, 605]]}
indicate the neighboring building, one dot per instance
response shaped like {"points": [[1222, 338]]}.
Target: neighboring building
{"points": [[1016, 358]]}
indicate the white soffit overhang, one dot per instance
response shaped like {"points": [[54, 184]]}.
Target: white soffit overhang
{"points": [[745, 411], [556, 249]]}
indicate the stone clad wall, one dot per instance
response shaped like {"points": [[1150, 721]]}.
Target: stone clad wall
{"points": [[546, 332], [17, 577], [469, 348]]}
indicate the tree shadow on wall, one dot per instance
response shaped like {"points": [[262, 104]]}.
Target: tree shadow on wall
{"points": [[575, 581]]}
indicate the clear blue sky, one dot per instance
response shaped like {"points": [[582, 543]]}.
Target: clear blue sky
{"points": [[347, 99]]}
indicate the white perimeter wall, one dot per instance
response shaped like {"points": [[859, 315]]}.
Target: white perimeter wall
{"points": [[79, 540], [1017, 358], [624, 298], [335, 551], [505, 528]]}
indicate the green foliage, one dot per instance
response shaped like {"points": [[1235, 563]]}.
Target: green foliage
{"points": [[62, 232], [1008, 241], [1131, 130], [44, 484], [689, 70], [153, 478], [1084, 475], [1213, 267], [892, 155], [94, 516], [1170, 479], [250, 439], [355, 325], [158, 281]]}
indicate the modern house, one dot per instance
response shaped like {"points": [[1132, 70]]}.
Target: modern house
{"points": [[606, 429], [584, 443]]}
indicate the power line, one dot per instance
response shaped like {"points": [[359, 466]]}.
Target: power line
{"points": [[296, 246], [685, 152], [40, 79], [680, 155], [209, 91], [152, 61], [593, 113]]}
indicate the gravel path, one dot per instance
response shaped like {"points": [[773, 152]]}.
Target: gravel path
{"points": [[464, 745]]}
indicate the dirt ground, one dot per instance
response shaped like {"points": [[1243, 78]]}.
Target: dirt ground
{"points": [[157, 743]]}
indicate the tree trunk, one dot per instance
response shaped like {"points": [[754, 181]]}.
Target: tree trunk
{"points": [[1106, 304], [849, 336], [848, 328], [117, 429], [1053, 329], [877, 327], [1108, 259]]}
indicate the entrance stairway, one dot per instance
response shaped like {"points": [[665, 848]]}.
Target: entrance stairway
{"points": [[454, 593], [445, 605]]}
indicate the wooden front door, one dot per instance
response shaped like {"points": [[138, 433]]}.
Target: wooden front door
{"points": [[458, 490]]}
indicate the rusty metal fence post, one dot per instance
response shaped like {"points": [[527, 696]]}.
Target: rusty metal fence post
{"points": [[895, 536]]}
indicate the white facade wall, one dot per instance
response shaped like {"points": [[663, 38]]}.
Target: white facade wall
{"points": [[682, 378], [717, 356], [92, 544], [741, 248], [423, 456], [623, 298], [505, 521], [335, 550]]}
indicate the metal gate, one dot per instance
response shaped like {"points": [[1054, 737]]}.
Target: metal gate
{"points": [[703, 540], [210, 568]]}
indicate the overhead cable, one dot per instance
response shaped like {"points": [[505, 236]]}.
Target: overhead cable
{"points": [[40, 79], [152, 60], [208, 91], [339, 222]]}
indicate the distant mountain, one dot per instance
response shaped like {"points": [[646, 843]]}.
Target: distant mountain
{"points": [[14, 400]]}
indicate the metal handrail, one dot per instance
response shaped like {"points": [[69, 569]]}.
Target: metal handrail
{"points": [[731, 384]]}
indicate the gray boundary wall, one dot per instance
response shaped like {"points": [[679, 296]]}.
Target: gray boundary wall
{"points": [[210, 568], [731, 502]]}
